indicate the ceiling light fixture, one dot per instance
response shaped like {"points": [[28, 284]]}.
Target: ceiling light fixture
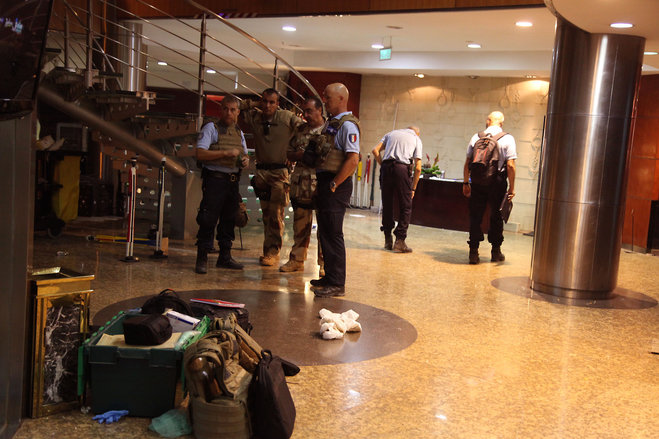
{"points": [[289, 28], [377, 46], [524, 24], [473, 45], [420, 75], [530, 76], [650, 53], [162, 63], [621, 25], [211, 71]]}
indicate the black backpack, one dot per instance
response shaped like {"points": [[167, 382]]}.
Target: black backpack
{"points": [[166, 299], [272, 410], [485, 158]]}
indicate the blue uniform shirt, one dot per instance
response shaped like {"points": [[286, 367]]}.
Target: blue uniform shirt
{"points": [[207, 136], [347, 138]]}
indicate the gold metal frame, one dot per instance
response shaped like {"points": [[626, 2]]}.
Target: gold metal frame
{"points": [[54, 287]]}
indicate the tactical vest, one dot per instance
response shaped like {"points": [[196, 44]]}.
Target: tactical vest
{"points": [[271, 138], [228, 138], [300, 140], [333, 158]]}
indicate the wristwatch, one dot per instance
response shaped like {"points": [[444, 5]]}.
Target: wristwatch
{"points": [[332, 185]]}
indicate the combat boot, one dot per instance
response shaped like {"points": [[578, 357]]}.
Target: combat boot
{"points": [[268, 261], [401, 247], [201, 266], [473, 256], [388, 241], [292, 265], [497, 256]]}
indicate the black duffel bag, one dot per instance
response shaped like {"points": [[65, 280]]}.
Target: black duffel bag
{"points": [[147, 330], [166, 299], [272, 411]]}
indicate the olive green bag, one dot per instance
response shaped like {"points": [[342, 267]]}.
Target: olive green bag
{"points": [[218, 387]]}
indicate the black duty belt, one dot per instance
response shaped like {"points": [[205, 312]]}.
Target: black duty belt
{"points": [[270, 166], [393, 162], [219, 174]]}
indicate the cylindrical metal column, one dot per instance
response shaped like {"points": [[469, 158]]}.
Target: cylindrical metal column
{"points": [[132, 52], [580, 206]]}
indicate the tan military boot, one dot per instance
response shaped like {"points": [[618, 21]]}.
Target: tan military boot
{"points": [[292, 265]]}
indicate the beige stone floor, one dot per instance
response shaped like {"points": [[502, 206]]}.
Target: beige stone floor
{"points": [[487, 363]]}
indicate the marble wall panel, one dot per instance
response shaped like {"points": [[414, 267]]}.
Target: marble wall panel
{"points": [[449, 110]]}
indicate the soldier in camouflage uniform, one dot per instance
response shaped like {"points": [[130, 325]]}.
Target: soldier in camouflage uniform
{"points": [[272, 128], [303, 185]]}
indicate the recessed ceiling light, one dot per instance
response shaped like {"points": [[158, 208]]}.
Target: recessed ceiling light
{"points": [[211, 71], [377, 46], [530, 76], [420, 75], [162, 63], [524, 24], [621, 25], [289, 28], [650, 53], [473, 45]]}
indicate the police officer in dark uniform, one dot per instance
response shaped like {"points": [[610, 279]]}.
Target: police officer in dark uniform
{"points": [[335, 187], [222, 150]]}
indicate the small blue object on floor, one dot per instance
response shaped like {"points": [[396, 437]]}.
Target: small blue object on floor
{"points": [[110, 417]]}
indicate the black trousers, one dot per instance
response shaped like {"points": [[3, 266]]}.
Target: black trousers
{"points": [[331, 209], [396, 182], [481, 197], [218, 208]]}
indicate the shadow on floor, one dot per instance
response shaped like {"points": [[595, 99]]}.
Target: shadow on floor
{"points": [[620, 298]]}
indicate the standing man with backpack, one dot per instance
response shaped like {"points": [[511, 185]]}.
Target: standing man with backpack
{"points": [[490, 161]]}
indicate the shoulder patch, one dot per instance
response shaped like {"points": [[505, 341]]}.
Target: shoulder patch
{"points": [[352, 138]]}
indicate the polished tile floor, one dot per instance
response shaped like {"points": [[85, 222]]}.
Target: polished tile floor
{"points": [[489, 358]]}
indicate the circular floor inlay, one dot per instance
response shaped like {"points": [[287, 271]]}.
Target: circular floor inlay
{"points": [[288, 325]]}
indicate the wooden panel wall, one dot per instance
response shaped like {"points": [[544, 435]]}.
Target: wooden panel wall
{"points": [[643, 180], [252, 8]]}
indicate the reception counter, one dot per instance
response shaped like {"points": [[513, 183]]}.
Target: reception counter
{"points": [[440, 203]]}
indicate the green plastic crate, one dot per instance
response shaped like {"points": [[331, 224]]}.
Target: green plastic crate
{"points": [[142, 381]]}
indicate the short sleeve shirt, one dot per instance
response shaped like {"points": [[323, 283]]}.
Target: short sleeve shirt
{"points": [[347, 138], [507, 144], [209, 135], [402, 145]]}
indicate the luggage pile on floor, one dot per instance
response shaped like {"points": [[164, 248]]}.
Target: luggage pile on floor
{"points": [[235, 388]]}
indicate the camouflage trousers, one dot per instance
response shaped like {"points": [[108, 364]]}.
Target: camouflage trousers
{"points": [[302, 225], [275, 183]]}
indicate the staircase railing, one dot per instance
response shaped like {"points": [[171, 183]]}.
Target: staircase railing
{"points": [[78, 49]]}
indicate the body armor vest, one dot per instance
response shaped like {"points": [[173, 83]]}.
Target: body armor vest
{"points": [[228, 138], [331, 158]]}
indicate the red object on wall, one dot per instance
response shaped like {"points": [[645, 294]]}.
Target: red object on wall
{"points": [[213, 105]]}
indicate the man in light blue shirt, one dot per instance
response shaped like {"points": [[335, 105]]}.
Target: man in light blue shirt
{"points": [[222, 150], [402, 149], [334, 176]]}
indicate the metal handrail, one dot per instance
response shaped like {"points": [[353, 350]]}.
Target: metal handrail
{"points": [[100, 49], [257, 42], [78, 12]]}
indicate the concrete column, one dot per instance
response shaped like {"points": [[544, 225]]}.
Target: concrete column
{"points": [[581, 198]]}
